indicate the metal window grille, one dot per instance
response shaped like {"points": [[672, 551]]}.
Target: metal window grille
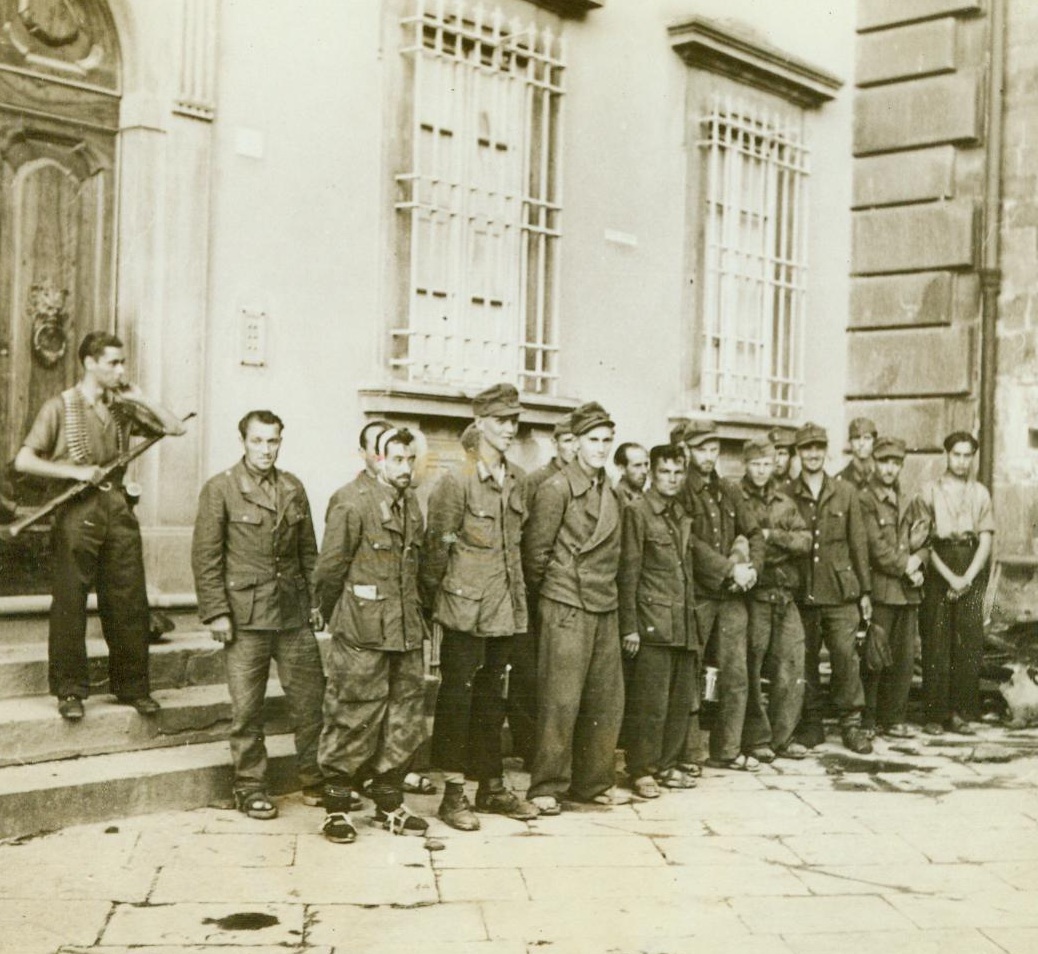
{"points": [[482, 201], [754, 293]]}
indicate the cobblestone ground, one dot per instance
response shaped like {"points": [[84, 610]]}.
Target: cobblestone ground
{"points": [[924, 847]]}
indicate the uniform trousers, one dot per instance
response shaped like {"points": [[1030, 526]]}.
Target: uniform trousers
{"points": [[247, 661], [776, 651], [374, 718], [723, 624], [886, 691], [96, 541], [952, 639], [580, 702], [660, 688], [522, 694], [833, 627], [471, 704]]}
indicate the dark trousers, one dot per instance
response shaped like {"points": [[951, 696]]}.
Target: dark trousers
{"points": [[96, 541], [247, 661], [374, 718], [580, 702], [886, 691], [775, 650], [722, 624], [952, 639], [470, 706], [522, 693], [833, 627], [659, 698]]}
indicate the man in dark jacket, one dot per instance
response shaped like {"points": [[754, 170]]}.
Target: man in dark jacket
{"points": [[835, 591], [571, 553], [861, 435], [658, 627], [728, 556], [776, 634], [366, 581], [897, 532], [565, 451], [472, 583], [253, 556]]}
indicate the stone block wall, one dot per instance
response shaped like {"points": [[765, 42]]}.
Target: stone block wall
{"points": [[914, 322]]}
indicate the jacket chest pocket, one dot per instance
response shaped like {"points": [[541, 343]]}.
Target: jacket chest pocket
{"points": [[661, 550], [246, 519], [381, 553], [834, 525], [294, 515], [480, 529]]}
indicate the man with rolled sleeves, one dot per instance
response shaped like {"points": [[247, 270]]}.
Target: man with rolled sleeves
{"points": [[565, 451], [658, 626], [571, 554], [253, 555], [776, 634], [861, 435], [783, 439], [897, 532], [471, 580], [836, 583], [728, 555], [367, 583]]}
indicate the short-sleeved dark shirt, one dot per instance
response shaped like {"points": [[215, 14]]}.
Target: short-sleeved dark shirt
{"points": [[48, 440]]}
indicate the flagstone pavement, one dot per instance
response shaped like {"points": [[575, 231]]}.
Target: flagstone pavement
{"points": [[930, 847]]}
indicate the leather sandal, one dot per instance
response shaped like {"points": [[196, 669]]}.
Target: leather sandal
{"points": [[675, 778], [547, 804], [401, 820], [417, 784], [256, 804], [338, 827], [741, 763], [763, 753], [691, 769], [646, 787]]}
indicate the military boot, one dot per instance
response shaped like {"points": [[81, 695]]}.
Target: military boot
{"points": [[455, 809]]}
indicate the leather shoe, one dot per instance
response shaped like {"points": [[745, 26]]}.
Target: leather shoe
{"points": [[959, 725], [145, 705], [71, 708], [855, 739], [810, 735], [455, 809], [495, 799], [897, 731]]}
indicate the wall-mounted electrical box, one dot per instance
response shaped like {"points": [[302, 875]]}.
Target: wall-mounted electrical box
{"points": [[253, 342]]}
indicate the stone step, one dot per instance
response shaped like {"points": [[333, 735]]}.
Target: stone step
{"points": [[190, 658], [32, 731], [50, 795], [31, 625]]}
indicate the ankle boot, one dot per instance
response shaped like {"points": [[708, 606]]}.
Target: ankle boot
{"points": [[455, 809]]}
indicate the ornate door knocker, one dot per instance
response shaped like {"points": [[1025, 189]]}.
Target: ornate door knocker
{"points": [[49, 323]]}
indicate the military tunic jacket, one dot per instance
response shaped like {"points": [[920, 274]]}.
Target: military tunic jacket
{"points": [[367, 574], [889, 529], [472, 575], [252, 559], [655, 576], [571, 544], [788, 541]]}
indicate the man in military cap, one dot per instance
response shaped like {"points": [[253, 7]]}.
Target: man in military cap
{"points": [[776, 634], [835, 583], [632, 460], [862, 437], [897, 532], [952, 614], [783, 439], [472, 583], [728, 556], [571, 553], [565, 450]]}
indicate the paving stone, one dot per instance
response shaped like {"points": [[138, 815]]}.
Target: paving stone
{"points": [[711, 806], [482, 884], [853, 849], [671, 883], [252, 850], [343, 883], [82, 881], [1003, 908], [364, 929], [1019, 874], [1014, 940], [790, 916], [372, 849], [38, 926], [721, 851], [696, 944], [953, 842], [538, 851], [179, 924], [617, 922], [72, 847], [894, 942], [762, 824], [189, 949], [955, 880], [614, 824], [293, 818]]}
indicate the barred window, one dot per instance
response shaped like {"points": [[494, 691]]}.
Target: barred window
{"points": [[754, 285], [480, 205]]}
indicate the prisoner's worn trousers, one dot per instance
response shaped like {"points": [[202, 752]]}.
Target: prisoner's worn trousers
{"points": [[580, 702], [659, 699], [952, 638], [722, 625], [373, 718], [522, 694], [247, 661], [833, 626], [775, 651], [470, 706], [96, 541], [886, 691]]}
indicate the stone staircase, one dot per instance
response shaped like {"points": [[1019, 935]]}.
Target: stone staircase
{"points": [[114, 762]]}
